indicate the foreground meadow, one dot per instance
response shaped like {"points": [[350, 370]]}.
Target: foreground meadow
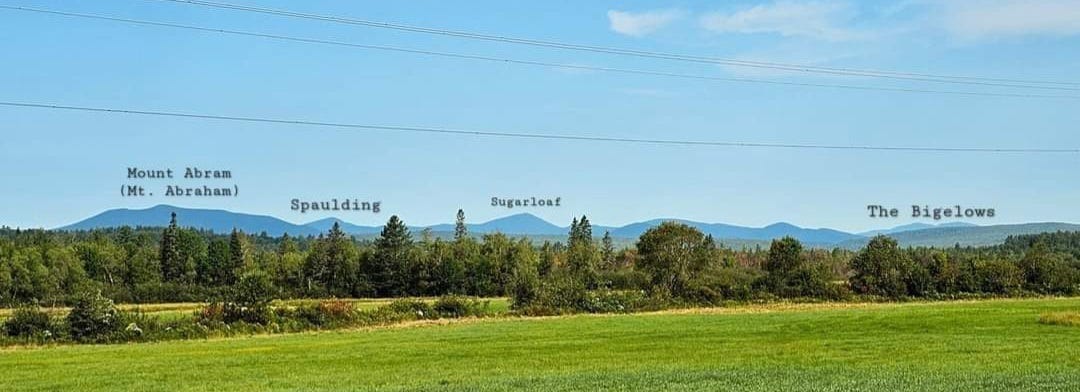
{"points": [[947, 346]]}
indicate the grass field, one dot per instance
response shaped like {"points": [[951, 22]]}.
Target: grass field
{"points": [[953, 346]]}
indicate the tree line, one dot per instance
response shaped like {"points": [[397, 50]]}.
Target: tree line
{"points": [[670, 263]]}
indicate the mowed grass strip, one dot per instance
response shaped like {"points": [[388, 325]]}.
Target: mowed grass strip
{"points": [[958, 346]]}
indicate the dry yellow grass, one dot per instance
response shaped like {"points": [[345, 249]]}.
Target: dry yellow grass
{"points": [[1071, 319]]}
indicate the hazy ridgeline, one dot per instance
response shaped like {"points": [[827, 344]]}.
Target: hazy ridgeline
{"points": [[669, 264]]}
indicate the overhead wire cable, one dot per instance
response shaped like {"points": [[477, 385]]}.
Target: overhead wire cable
{"points": [[531, 62], [529, 135], [911, 76]]}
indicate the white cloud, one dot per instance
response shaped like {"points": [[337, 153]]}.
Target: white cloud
{"points": [[815, 19], [637, 24], [971, 19]]}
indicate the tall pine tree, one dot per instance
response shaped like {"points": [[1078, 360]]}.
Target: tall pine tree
{"points": [[171, 264], [585, 230], [341, 263], [575, 233], [387, 268], [607, 250], [237, 253], [460, 231], [582, 256]]}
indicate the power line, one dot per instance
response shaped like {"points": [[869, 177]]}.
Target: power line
{"points": [[530, 62], [911, 76], [432, 130]]}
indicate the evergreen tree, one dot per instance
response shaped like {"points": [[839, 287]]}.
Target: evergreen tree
{"points": [[171, 265], [213, 271], [575, 233], [341, 263], [585, 230], [315, 267], [547, 263], [237, 255], [580, 232], [608, 250], [460, 231], [386, 271], [193, 252]]}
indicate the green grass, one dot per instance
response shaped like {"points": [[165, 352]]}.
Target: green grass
{"points": [[957, 346]]}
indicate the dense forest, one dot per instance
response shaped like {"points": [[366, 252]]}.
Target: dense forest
{"points": [[671, 262]]}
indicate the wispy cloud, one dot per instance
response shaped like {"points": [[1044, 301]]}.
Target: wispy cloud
{"points": [[825, 20], [638, 24], [971, 19]]}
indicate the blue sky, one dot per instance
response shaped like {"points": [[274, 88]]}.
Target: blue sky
{"points": [[60, 167]]}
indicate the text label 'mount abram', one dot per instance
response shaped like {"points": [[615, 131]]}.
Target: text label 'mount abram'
{"points": [[189, 172]]}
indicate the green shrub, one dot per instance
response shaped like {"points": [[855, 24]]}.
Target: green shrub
{"points": [[453, 306], [254, 290], [29, 322], [93, 318], [624, 279], [211, 314], [325, 313], [609, 301], [137, 326], [217, 313], [419, 309], [717, 285]]}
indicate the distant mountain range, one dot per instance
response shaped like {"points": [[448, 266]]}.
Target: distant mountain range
{"points": [[524, 224], [913, 227]]}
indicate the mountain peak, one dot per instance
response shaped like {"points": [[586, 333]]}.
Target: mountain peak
{"points": [[219, 221], [782, 226]]}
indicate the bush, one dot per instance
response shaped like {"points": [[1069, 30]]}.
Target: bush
{"points": [[137, 326], [453, 306], [717, 285], [336, 309], [93, 318], [254, 290], [417, 308], [218, 313], [29, 322], [608, 301], [212, 313], [624, 279], [326, 313], [398, 311]]}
